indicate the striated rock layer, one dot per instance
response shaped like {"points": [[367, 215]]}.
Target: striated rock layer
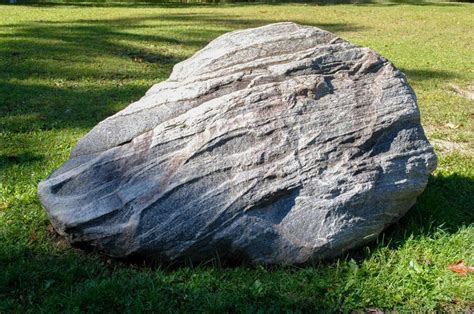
{"points": [[279, 144]]}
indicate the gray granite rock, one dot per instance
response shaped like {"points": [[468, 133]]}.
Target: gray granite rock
{"points": [[278, 144]]}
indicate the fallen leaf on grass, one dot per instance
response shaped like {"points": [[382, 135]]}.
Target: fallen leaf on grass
{"points": [[467, 92], [460, 268], [51, 230], [452, 125], [33, 237]]}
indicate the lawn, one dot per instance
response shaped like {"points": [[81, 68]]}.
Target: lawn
{"points": [[64, 68]]}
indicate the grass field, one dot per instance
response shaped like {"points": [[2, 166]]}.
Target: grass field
{"points": [[65, 68]]}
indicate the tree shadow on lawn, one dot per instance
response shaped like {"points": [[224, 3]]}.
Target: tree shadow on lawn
{"points": [[63, 55], [420, 75], [26, 157], [52, 72], [214, 3]]}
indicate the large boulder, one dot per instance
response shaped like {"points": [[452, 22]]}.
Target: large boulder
{"points": [[278, 144]]}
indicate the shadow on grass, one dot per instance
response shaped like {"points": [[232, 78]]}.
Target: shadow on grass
{"points": [[427, 74], [203, 3], [67, 280], [73, 283], [43, 85], [15, 159], [41, 51]]}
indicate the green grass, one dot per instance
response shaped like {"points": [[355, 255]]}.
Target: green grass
{"points": [[65, 68]]}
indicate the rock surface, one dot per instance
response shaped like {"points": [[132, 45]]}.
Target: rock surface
{"points": [[279, 144]]}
